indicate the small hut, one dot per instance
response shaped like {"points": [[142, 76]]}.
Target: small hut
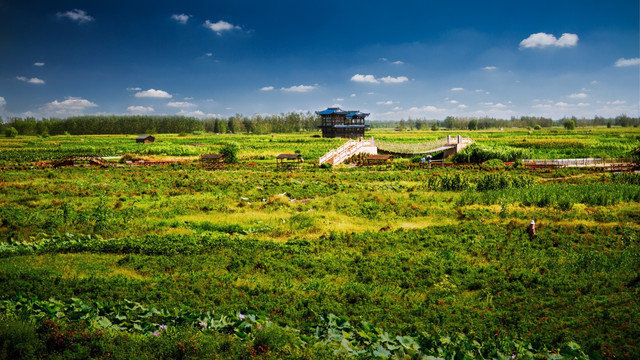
{"points": [[146, 139], [212, 160], [289, 161], [378, 159]]}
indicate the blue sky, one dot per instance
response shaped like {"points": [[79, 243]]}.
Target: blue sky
{"points": [[393, 59]]}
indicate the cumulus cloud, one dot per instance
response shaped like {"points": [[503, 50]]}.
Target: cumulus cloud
{"points": [[373, 80], [452, 101], [578, 96], [30, 81], [499, 106], [622, 62], [462, 106], [77, 15], [198, 113], [457, 89], [489, 68], [561, 104], [153, 93], [338, 99], [220, 26], [394, 80], [181, 18], [38, 63], [3, 102], [68, 107], [364, 79], [543, 40], [140, 109], [267, 88], [616, 102], [180, 104], [299, 88], [388, 102]]}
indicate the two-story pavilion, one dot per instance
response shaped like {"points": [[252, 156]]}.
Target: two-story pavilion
{"points": [[340, 123]]}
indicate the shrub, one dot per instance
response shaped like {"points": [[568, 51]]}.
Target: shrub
{"points": [[493, 164], [476, 154], [537, 127], [11, 132], [569, 124], [230, 152]]}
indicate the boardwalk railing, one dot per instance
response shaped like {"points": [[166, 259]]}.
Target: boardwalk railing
{"points": [[347, 150], [575, 162], [422, 148]]}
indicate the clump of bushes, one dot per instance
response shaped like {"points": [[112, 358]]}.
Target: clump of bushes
{"points": [[477, 154], [11, 132], [230, 152]]}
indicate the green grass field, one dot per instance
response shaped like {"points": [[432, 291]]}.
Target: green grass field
{"points": [[383, 262]]}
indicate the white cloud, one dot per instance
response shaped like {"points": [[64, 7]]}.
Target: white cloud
{"points": [[499, 106], [616, 102], [181, 18], [208, 54], [267, 88], [68, 107], [594, 82], [388, 102], [76, 15], [582, 104], [397, 108], [373, 80], [180, 104], [489, 68], [299, 88], [153, 93], [140, 109], [3, 102], [338, 99], [134, 89], [353, 95], [543, 40], [364, 79], [452, 101], [30, 81], [220, 26], [398, 62], [428, 109], [38, 63], [486, 103], [198, 113], [562, 104], [578, 96], [622, 62], [457, 89], [394, 80], [462, 106]]}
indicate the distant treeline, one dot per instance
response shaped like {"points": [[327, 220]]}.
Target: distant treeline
{"points": [[259, 124], [147, 124], [459, 123]]}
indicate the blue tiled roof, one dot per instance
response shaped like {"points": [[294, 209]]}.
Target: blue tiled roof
{"points": [[350, 113]]}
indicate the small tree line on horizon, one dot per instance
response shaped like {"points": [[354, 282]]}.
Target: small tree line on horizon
{"points": [[473, 123], [265, 124]]}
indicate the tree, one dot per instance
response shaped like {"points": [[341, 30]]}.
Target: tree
{"points": [[434, 127], [11, 132], [473, 124], [569, 124]]}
